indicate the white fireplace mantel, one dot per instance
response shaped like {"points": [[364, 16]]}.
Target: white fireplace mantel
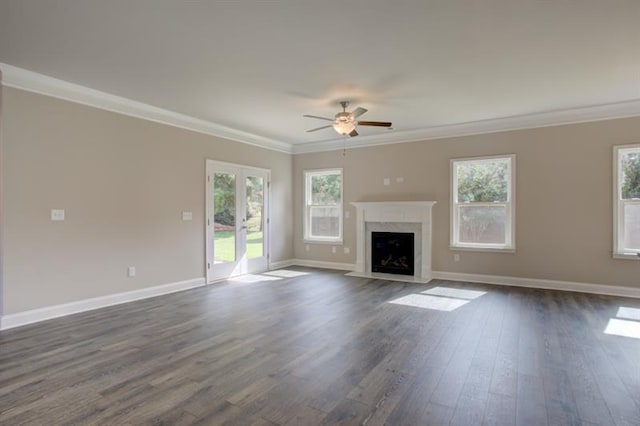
{"points": [[391, 215]]}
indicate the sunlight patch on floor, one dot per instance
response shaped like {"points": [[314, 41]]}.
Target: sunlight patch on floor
{"points": [[285, 273], [628, 313], [457, 293], [430, 302], [624, 328], [439, 298], [250, 278], [628, 326]]}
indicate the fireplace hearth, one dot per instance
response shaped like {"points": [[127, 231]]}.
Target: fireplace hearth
{"points": [[392, 252]]}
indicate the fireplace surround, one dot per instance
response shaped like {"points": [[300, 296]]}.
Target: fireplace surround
{"points": [[398, 217]]}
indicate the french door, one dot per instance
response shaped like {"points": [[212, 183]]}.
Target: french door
{"points": [[237, 220]]}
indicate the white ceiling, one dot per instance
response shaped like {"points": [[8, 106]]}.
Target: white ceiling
{"points": [[258, 66]]}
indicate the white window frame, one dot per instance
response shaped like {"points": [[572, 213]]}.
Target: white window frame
{"points": [[510, 206], [308, 238], [619, 252]]}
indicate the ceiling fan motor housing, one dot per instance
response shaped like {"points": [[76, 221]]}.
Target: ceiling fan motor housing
{"points": [[345, 117]]}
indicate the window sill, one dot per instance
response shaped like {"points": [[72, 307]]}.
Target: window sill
{"points": [[483, 249], [627, 256], [325, 242]]}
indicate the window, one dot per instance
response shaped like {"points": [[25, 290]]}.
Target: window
{"points": [[482, 203], [323, 205], [626, 203]]}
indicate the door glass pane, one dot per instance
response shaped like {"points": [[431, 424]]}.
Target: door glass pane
{"points": [[482, 224], [224, 215], [631, 226], [255, 221]]}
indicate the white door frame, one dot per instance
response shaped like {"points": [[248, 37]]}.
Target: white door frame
{"points": [[241, 265]]}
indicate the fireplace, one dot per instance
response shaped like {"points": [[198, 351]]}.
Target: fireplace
{"points": [[392, 252], [394, 217]]}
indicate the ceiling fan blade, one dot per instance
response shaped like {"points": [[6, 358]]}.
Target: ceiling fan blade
{"points": [[375, 123], [319, 118], [358, 112], [353, 133], [320, 128]]}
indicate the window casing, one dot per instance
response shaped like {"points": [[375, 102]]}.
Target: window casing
{"points": [[626, 202], [483, 203], [323, 206]]}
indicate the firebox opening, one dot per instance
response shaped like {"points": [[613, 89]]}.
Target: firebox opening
{"points": [[392, 252]]}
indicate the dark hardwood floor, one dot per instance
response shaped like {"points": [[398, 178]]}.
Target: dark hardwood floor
{"points": [[322, 348]]}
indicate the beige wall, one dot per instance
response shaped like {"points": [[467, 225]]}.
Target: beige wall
{"points": [[1, 205], [123, 183], [563, 196]]}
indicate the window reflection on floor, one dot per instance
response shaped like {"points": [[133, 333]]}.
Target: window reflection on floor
{"points": [[439, 298], [628, 326]]}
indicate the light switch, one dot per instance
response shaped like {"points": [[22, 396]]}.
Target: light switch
{"points": [[346, 250], [386, 181], [57, 215], [347, 214], [187, 215]]}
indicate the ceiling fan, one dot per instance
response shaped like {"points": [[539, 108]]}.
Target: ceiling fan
{"points": [[345, 122]]}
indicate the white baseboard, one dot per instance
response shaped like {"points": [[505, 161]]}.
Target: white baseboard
{"points": [[49, 312], [608, 290], [281, 264], [324, 265]]}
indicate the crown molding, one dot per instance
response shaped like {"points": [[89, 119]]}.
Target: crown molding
{"points": [[585, 114], [23, 79]]}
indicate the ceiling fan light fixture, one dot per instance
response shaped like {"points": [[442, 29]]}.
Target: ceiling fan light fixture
{"points": [[344, 127], [345, 123]]}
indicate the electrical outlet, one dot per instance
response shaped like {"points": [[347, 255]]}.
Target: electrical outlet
{"points": [[456, 257], [386, 181], [57, 215], [346, 250], [400, 179], [131, 271], [187, 215], [307, 247], [347, 214], [333, 249]]}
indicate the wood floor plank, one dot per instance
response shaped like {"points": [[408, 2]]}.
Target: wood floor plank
{"points": [[500, 410], [323, 348], [531, 407]]}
